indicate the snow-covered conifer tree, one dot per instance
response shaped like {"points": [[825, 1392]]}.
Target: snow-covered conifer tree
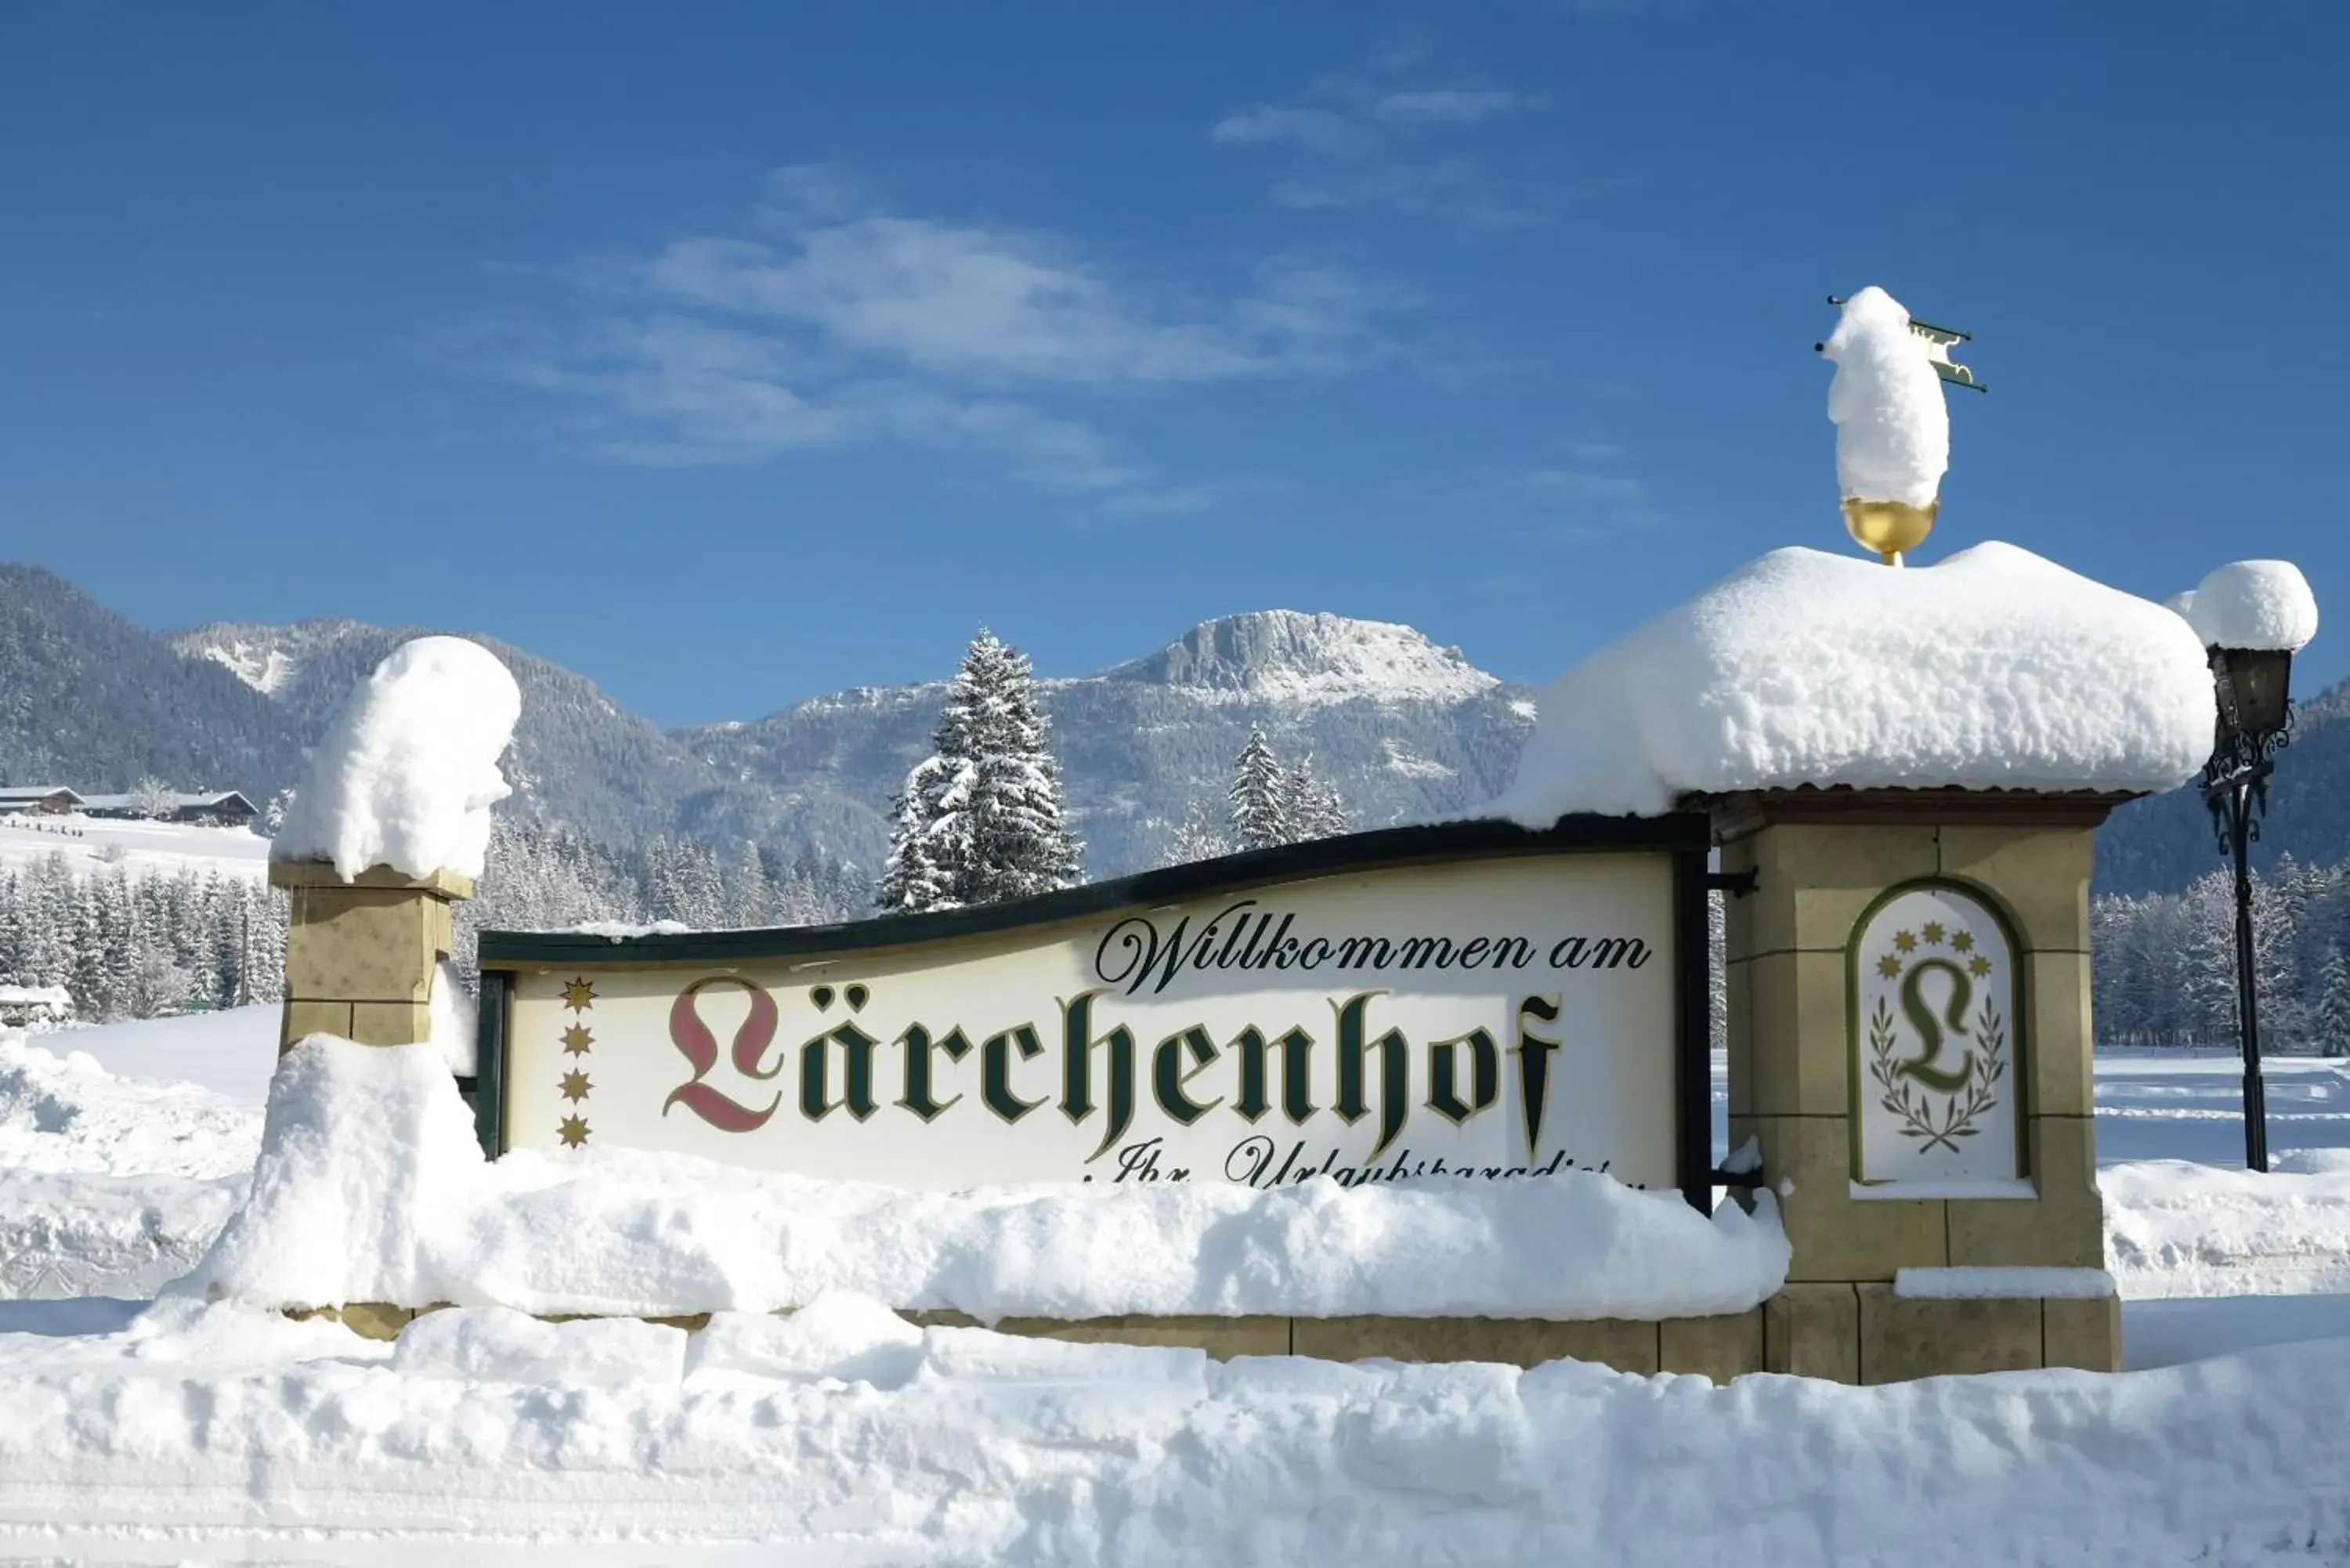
{"points": [[980, 819], [1316, 808], [1259, 796], [1196, 838]]}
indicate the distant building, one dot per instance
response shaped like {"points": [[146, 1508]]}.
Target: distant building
{"points": [[37, 800], [24, 1004], [224, 808]]}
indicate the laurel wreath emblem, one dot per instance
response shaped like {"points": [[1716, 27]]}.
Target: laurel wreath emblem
{"points": [[1935, 1106]]}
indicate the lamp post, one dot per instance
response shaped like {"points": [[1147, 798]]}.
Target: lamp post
{"points": [[2255, 722]]}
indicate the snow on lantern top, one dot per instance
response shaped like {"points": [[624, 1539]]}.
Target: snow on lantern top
{"points": [[2263, 605], [407, 771], [1994, 669]]}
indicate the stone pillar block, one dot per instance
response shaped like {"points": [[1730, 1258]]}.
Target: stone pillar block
{"points": [[1720, 1348], [1904, 1339], [2062, 1064], [1626, 1344], [2086, 1334], [1862, 895], [1797, 1021], [2061, 1228], [2041, 873], [1835, 1235], [362, 955], [1814, 1331]]}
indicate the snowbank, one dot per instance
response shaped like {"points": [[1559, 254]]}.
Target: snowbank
{"points": [[110, 1186], [1994, 669], [224, 1433], [60, 1111], [67, 1236], [407, 771], [2252, 603], [369, 1186], [1893, 430], [2175, 1228]]}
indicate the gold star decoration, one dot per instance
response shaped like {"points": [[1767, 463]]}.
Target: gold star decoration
{"points": [[578, 995], [1932, 932], [1888, 966], [1963, 941], [577, 1040], [1906, 941], [574, 1086], [1979, 966], [573, 1131]]}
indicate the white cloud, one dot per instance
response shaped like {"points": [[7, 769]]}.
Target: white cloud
{"points": [[844, 322], [1588, 502], [1362, 140]]}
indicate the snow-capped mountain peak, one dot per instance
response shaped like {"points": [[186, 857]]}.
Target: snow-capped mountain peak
{"points": [[1293, 656]]}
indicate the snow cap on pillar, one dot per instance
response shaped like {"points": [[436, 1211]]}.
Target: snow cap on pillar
{"points": [[1994, 669], [407, 771]]}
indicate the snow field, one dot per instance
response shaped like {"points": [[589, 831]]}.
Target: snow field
{"points": [[841, 1433], [846, 1434], [139, 849]]}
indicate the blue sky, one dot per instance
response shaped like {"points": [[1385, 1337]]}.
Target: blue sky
{"points": [[734, 354]]}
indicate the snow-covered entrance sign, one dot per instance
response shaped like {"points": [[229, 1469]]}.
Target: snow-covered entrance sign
{"points": [[1467, 999]]}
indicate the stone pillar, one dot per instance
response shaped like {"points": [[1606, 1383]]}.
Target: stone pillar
{"points": [[362, 955], [1909, 1044]]}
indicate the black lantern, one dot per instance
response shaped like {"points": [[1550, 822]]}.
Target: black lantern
{"points": [[2253, 682], [2254, 722]]}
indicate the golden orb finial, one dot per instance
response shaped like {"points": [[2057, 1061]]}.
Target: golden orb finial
{"points": [[1891, 528]]}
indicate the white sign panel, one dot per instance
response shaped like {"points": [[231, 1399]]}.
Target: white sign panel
{"points": [[1937, 1038], [1501, 1017]]}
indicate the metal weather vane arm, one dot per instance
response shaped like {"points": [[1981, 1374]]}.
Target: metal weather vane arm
{"points": [[1940, 340]]}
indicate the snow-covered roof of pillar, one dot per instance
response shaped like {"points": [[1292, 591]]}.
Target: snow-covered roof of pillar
{"points": [[1992, 669]]}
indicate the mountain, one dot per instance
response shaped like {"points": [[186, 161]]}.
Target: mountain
{"points": [[90, 701], [578, 758], [1404, 728], [2160, 844]]}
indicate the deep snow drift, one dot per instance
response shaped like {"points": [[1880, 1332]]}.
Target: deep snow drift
{"points": [[1992, 669], [407, 771], [845, 1435], [371, 1187], [1893, 430]]}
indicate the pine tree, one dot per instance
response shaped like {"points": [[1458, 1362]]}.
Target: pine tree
{"points": [[1197, 838], [1259, 796], [1316, 809], [2333, 1003], [980, 819]]}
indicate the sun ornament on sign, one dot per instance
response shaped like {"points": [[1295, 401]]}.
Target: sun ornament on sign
{"points": [[575, 1086], [1932, 931], [577, 1040], [578, 995], [1907, 941], [573, 1131]]}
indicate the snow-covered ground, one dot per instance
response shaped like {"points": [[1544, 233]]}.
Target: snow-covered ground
{"points": [[843, 1434], [140, 849]]}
